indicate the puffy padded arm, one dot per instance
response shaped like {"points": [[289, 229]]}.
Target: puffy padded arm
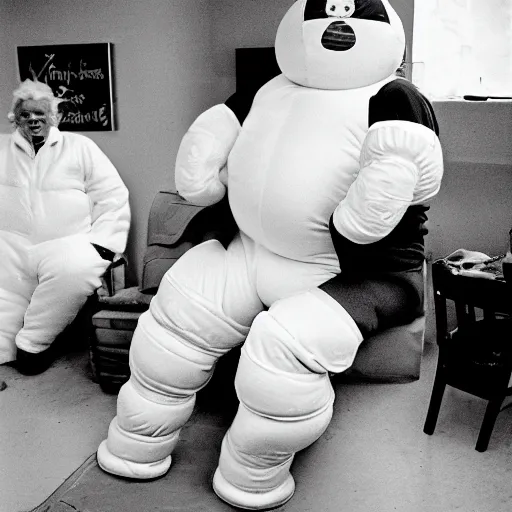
{"points": [[203, 154], [401, 165], [108, 195]]}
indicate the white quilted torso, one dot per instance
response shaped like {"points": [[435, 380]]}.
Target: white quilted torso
{"points": [[43, 197], [293, 162]]}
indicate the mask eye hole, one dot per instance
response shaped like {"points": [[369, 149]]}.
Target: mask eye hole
{"points": [[373, 10], [340, 8]]}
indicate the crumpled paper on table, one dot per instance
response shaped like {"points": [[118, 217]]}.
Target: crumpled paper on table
{"points": [[476, 264]]}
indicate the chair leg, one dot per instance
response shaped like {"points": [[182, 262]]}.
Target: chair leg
{"points": [[435, 402], [491, 413]]}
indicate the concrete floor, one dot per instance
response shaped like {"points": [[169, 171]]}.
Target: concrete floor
{"points": [[373, 458]]}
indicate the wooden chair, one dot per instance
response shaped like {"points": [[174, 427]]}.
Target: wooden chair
{"points": [[475, 354]]}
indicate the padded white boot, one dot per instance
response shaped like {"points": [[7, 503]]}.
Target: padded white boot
{"points": [[252, 500], [128, 469]]}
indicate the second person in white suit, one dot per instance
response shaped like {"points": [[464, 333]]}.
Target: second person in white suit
{"points": [[64, 213]]}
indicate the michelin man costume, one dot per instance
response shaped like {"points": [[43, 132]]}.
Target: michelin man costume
{"points": [[58, 197], [329, 171]]}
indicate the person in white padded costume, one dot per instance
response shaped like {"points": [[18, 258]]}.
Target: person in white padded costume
{"points": [[329, 170], [64, 213]]}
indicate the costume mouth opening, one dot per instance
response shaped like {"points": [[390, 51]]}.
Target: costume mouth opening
{"points": [[339, 37]]}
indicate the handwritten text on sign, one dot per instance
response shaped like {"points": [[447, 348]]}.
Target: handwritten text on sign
{"points": [[81, 74]]}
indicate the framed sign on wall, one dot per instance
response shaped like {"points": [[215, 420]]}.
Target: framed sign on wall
{"points": [[81, 74]]}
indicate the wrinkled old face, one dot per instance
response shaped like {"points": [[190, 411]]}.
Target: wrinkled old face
{"points": [[34, 118]]}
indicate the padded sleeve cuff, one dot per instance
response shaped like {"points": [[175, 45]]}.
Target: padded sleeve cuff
{"points": [[203, 153], [401, 165]]}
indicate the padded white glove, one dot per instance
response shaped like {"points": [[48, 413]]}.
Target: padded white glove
{"points": [[203, 154], [401, 165]]}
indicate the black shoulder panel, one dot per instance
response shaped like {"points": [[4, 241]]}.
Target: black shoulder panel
{"points": [[401, 100], [240, 103]]}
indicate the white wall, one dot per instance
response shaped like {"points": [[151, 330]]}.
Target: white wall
{"points": [[474, 207], [6, 63], [242, 24]]}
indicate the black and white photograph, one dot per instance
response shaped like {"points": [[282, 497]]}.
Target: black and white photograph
{"points": [[255, 255]]}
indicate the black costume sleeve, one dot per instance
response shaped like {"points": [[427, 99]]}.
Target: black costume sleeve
{"points": [[401, 100], [403, 248]]}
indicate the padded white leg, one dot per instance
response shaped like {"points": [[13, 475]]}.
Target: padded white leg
{"points": [[286, 396], [172, 355], [13, 305], [141, 437], [16, 287], [69, 270]]}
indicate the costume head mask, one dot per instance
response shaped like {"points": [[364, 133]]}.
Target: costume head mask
{"points": [[339, 44], [34, 109]]}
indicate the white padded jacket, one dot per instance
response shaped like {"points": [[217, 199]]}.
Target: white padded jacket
{"points": [[68, 187]]}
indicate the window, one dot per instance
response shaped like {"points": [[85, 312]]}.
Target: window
{"points": [[462, 47]]}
